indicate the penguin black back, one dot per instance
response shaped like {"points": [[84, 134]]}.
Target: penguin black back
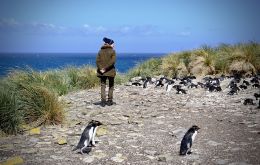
{"points": [[188, 140], [88, 135]]}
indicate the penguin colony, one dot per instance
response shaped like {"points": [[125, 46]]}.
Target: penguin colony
{"points": [[236, 84], [181, 85]]}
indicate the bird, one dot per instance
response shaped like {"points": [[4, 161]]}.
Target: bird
{"points": [[188, 140], [169, 86], [88, 136]]}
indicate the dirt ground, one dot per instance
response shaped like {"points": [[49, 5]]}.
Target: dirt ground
{"points": [[145, 126]]}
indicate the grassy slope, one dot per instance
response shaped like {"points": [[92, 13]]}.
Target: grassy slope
{"points": [[29, 96]]}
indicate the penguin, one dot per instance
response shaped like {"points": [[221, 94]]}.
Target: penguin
{"points": [[146, 81], [169, 86], [159, 83], [188, 140], [136, 83], [243, 86], [256, 85], [88, 136], [248, 101], [246, 83], [257, 95], [258, 104]]}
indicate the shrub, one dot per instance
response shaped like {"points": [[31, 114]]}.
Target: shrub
{"points": [[73, 74], [169, 64], [87, 78], [39, 102], [150, 67], [57, 80], [10, 113]]}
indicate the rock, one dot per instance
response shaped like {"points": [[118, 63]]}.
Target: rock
{"points": [[62, 141], [13, 161], [6, 147], [178, 133], [221, 161], [102, 130], [35, 131], [43, 143], [34, 140], [213, 143], [55, 157], [150, 152], [238, 163], [119, 158], [99, 154], [88, 159], [165, 157], [29, 150]]}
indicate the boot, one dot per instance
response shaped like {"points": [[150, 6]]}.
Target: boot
{"points": [[110, 102], [103, 103]]}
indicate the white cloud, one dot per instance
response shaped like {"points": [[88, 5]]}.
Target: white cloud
{"points": [[38, 28], [184, 33], [10, 22]]}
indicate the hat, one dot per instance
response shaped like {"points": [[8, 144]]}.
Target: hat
{"points": [[108, 41]]}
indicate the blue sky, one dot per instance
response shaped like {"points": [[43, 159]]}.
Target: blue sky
{"points": [[135, 26]]}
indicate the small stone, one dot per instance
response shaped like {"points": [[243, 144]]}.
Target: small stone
{"points": [[150, 157], [221, 161], [213, 143], [14, 161], [102, 130], [149, 152], [88, 159], [43, 143], [62, 140], [6, 147], [165, 158], [34, 140], [35, 131], [57, 157], [118, 158], [29, 151], [99, 154]]}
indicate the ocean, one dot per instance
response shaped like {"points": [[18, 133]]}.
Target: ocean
{"points": [[48, 61]]}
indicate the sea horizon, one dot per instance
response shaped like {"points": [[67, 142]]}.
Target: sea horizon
{"points": [[48, 61]]}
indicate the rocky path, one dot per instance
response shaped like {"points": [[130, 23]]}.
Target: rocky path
{"points": [[146, 127]]}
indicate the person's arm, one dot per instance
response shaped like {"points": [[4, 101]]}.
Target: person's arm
{"points": [[111, 62], [98, 62]]}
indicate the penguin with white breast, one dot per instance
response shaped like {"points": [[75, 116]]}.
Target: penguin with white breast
{"points": [[169, 86], [188, 140], [88, 136]]}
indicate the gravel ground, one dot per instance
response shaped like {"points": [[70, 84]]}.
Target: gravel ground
{"points": [[145, 126]]}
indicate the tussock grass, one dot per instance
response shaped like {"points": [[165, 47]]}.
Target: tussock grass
{"points": [[217, 59], [169, 64], [28, 96], [10, 113], [148, 68], [39, 102]]}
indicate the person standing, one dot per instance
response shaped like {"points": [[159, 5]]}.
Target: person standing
{"points": [[105, 62]]}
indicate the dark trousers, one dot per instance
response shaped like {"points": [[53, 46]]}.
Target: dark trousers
{"points": [[103, 87]]}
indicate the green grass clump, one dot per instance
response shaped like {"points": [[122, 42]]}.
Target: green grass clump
{"points": [[57, 81], [215, 59], [28, 97], [39, 102], [150, 67], [10, 113], [169, 64]]}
